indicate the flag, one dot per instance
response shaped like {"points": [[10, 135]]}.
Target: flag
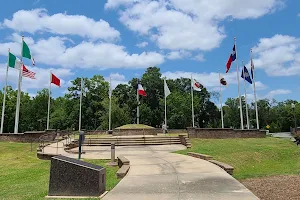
{"points": [[232, 58], [223, 81], [247, 76], [141, 90], [55, 80], [110, 89], [252, 69], [27, 73], [196, 85], [13, 61], [26, 53], [166, 88]]}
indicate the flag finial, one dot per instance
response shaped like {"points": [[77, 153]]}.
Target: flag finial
{"points": [[251, 50], [22, 37], [8, 49], [234, 38]]}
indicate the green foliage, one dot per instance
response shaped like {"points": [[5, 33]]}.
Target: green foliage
{"points": [[65, 110], [252, 157]]}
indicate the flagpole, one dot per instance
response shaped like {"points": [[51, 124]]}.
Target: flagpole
{"points": [[222, 117], [138, 102], [4, 97], [19, 92], [165, 103], [110, 94], [49, 101], [80, 103], [254, 85], [192, 93], [248, 125], [238, 80]]}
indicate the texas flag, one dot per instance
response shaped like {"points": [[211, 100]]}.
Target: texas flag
{"points": [[141, 90], [196, 85], [232, 58]]}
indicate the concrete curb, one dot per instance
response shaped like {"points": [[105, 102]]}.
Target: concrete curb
{"points": [[124, 165]]}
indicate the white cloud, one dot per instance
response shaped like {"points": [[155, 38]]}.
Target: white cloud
{"points": [[142, 44], [53, 51], [116, 79], [189, 24], [32, 21], [175, 55], [259, 86], [207, 79], [298, 15], [273, 93], [199, 57], [278, 55], [42, 77]]}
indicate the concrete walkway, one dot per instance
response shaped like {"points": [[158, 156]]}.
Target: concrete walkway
{"points": [[168, 176], [155, 173]]}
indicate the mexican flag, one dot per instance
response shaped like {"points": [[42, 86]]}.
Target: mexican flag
{"points": [[13, 61], [26, 52]]}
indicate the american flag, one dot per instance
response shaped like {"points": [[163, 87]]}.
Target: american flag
{"points": [[27, 73]]}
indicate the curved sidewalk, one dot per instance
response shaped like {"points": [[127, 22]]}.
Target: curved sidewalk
{"points": [[156, 174], [167, 176]]}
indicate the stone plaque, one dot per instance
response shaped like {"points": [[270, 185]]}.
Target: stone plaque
{"points": [[71, 177]]}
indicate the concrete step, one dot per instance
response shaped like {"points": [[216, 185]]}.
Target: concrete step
{"points": [[129, 144], [152, 142]]}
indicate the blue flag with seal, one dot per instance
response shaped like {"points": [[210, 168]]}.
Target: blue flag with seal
{"points": [[247, 75]]}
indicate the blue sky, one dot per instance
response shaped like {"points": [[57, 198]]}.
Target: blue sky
{"points": [[121, 38]]}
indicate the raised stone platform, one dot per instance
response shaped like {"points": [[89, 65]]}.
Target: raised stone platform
{"points": [[224, 133]]}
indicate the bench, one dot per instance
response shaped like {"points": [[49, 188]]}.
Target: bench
{"points": [[124, 166], [201, 156], [229, 169]]}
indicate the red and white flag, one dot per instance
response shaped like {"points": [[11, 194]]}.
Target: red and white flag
{"points": [[55, 80], [196, 85], [27, 73], [141, 90]]}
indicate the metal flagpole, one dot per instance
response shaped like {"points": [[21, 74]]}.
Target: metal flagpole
{"points": [[80, 103], [4, 97], [165, 103], [138, 101], [49, 101], [192, 93], [222, 118], [19, 92], [238, 80], [253, 79], [248, 125], [110, 94]]}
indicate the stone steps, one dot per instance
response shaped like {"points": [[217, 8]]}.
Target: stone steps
{"points": [[132, 141]]}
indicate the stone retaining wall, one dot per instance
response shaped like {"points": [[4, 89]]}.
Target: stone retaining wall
{"points": [[29, 136], [219, 133], [136, 131]]}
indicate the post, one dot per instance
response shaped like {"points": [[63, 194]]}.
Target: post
{"points": [[166, 127], [80, 103], [192, 94], [247, 116], [138, 104], [19, 93], [113, 152], [293, 107], [49, 101], [222, 118], [80, 141], [238, 80], [4, 97], [254, 85], [110, 96]]}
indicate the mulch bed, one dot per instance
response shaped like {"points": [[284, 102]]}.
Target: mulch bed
{"points": [[283, 187]]}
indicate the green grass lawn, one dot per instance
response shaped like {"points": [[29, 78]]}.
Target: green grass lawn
{"points": [[24, 176], [129, 126], [252, 157]]}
